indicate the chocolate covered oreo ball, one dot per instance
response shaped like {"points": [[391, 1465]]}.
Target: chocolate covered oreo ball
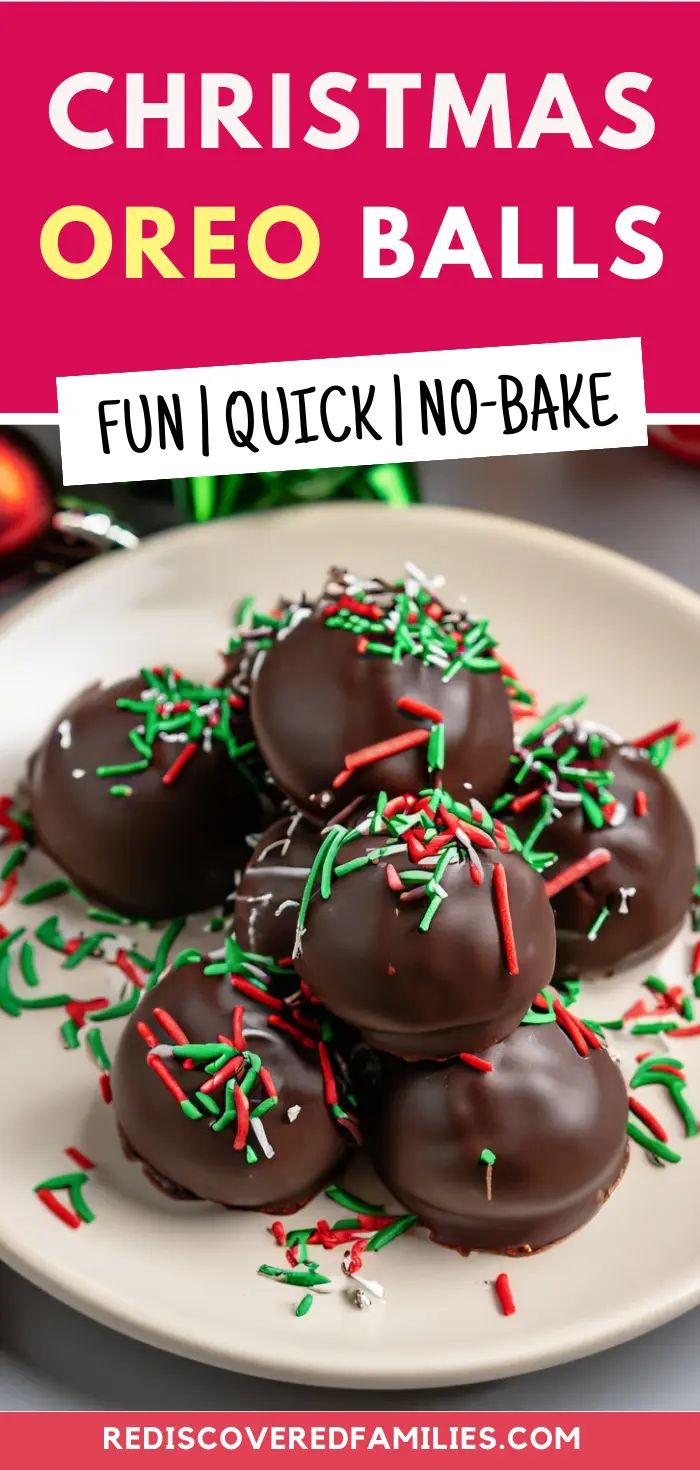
{"points": [[271, 887], [511, 1158], [328, 697], [144, 792], [618, 845], [419, 930], [221, 1102]]}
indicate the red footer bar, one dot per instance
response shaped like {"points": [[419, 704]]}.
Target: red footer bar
{"points": [[596, 1440]]}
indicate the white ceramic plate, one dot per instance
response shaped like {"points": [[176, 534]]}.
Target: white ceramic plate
{"points": [[572, 617]]}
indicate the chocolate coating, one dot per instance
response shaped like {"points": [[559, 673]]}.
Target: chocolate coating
{"points": [[315, 700], [186, 1156], [652, 853], [270, 890], [433, 993], [164, 850], [556, 1122]]}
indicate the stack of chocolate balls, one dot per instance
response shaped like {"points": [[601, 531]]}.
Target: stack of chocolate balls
{"points": [[396, 929]]}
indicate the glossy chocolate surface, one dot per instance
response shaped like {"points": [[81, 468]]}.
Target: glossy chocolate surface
{"points": [[270, 890], [427, 994], [187, 1153], [651, 854], [555, 1120], [161, 851], [315, 699]]}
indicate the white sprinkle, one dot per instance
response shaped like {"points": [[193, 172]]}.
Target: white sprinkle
{"points": [[289, 903], [161, 1051], [263, 1140], [77, 774], [625, 895], [65, 734], [293, 1112]]}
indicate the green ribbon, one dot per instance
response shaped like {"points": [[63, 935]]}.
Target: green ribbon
{"points": [[210, 497]]}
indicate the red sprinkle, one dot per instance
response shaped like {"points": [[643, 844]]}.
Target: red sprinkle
{"points": [[478, 1063], [168, 1081], [79, 1158], [237, 1028], [242, 1118], [527, 799], [500, 888], [105, 1087], [146, 1033], [641, 803], [8, 888], [173, 1030], [393, 879], [585, 865], [282, 1025], [78, 1009], [422, 711], [571, 1027], [652, 1123], [229, 1069], [671, 1071], [244, 986], [684, 1031], [181, 760], [126, 966], [504, 1294], [54, 1205], [329, 1086], [660, 734], [695, 962], [379, 752]]}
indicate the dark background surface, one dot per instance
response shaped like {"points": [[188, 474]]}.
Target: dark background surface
{"points": [[635, 501]]}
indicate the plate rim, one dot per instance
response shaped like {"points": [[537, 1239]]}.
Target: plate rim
{"points": [[96, 1304]]}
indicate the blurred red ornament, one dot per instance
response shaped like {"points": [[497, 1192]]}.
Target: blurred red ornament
{"points": [[25, 498], [683, 440]]}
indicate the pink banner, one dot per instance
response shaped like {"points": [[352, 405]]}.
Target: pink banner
{"points": [[601, 1441], [531, 164]]}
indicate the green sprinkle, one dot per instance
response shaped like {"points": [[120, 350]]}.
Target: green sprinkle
{"points": [[127, 769], [295, 1277], [15, 859], [27, 964], [190, 1109], [121, 790], [598, 923], [304, 1305], [49, 933], [390, 1232], [119, 1009], [651, 1028], [487, 1156], [250, 1155], [106, 916], [53, 889], [70, 1035], [165, 944], [353, 1202], [87, 947], [186, 957], [61, 1181], [653, 1145], [94, 1040]]}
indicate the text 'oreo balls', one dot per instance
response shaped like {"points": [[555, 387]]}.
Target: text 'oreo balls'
{"points": [[506, 1151], [222, 1095], [417, 928], [144, 793], [602, 821], [327, 697], [271, 887]]}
